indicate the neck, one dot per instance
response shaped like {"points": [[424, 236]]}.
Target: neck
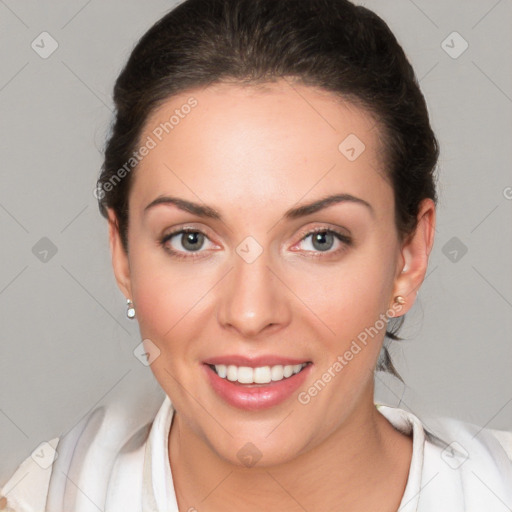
{"points": [[363, 465]]}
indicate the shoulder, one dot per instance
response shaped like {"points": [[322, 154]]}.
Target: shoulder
{"points": [[464, 437], [27, 488], [456, 464], [469, 463], [94, 450]]}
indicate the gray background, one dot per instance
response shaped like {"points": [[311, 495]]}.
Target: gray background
{"points": [[66, 345]]}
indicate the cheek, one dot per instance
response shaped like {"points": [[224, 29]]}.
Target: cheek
{"points": [[349, 297], [160, 303], [158, 299], [167, 297]]}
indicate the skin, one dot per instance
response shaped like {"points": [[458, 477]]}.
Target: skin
{"points": [[252, 153]]}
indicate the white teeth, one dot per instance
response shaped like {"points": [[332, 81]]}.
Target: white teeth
{"points": [[232, 373], [259, 375], [277, 372], [221, 370], [262, 375], [245, 375]]}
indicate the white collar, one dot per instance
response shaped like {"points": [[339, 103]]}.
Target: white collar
{"points": [[157, 484]]}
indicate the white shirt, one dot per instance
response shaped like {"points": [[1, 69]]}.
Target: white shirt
{"points": [[104, 465]]}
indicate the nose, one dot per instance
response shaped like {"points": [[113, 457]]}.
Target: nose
{"points": [[253, 300]]}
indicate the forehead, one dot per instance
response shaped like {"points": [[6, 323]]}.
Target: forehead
{"points": [[267, 142]]}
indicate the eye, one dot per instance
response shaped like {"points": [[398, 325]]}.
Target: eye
{"points": [[187, 240], [323, 240]]}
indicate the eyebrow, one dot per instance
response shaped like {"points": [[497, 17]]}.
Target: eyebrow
{"points": [[293, 213]]}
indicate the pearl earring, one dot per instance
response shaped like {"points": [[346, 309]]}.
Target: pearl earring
{"points": [[399, 299], [130, 309]]}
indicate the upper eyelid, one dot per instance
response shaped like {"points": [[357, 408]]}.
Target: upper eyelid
{"points": [[304, 232], [183, 230], [339, 235], [339, 231]]}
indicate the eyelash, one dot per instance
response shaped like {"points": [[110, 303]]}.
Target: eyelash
{"points": [[344, 239]]}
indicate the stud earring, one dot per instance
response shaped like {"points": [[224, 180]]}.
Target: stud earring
{"points": [[130, 309], [399, 299]]}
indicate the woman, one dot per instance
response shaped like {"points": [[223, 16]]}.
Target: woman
{"points": [[249, 134]]}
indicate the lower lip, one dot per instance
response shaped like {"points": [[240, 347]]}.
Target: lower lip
{"points": [[254, 397]]}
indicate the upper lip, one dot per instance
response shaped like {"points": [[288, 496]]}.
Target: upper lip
{"points": [[254, 362]]}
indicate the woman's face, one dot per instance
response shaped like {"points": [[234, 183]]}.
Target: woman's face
{"points": [[253, 285]]}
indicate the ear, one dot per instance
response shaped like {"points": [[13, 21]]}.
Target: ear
{"points": [[120, 261], [414, 254]]}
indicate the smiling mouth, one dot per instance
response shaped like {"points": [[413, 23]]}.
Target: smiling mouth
{"points": [[257, 375]]}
